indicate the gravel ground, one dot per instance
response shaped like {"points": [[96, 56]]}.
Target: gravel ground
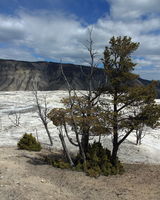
{"points": [[24, 176]]}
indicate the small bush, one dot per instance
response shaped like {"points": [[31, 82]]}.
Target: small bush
{"points": [[29, 142], [98, 162], [61, 164]]}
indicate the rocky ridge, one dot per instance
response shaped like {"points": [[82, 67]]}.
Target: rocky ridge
{"points": [[20, 75]]}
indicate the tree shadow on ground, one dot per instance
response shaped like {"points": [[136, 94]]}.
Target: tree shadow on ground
{"points": [[44, 158]]}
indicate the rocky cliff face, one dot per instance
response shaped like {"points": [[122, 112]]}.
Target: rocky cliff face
{"points": [[20, 75]]}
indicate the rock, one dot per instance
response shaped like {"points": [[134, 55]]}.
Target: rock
{"points": [[43, 181], [20, 75]]}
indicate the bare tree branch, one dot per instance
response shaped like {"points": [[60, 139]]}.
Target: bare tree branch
{"points": [[42, 112], [15, 118]]}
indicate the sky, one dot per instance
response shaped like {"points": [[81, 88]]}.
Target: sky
{"points": [[54, 30]]}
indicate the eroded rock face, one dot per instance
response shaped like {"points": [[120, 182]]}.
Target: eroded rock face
{"points": [[20, 75]]}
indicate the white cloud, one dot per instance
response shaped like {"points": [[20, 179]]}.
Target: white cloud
{"points": [[134, 8], [17, 54], [59, 36], [11, 29], [53, 36]]}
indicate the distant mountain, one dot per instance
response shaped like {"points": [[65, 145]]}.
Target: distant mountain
{"points": [[20, 75]]}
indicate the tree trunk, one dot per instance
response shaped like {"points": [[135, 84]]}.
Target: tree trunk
{"points": [[114, 154], [66, 150], [138, 136], [48, 133], [115, 133], [85, 142]]}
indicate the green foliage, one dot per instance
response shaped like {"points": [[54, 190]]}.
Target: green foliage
{"points": [[29, 142], [98, 162], [57, 160], [118, 63], [57, 116], [93, 172], [61, 164], [88, 119]]}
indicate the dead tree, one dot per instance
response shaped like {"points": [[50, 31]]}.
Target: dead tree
{"points": [[61, 136], [139, 135], [15, 118], [74, 124], [42, 112], [57, 116], [80, 110]]}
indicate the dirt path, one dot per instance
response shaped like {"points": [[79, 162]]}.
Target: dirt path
{"points": [[23, 176]]}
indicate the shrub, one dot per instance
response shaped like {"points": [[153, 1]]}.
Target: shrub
{"points": [[98, 162], [93, 172], [61, 164], [29, 142]]}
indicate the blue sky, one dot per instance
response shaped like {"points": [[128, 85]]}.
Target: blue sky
{"points": [[86, 10], [57, 29]]}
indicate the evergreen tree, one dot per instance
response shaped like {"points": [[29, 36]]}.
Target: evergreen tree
{"points": [[130, 105]]}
